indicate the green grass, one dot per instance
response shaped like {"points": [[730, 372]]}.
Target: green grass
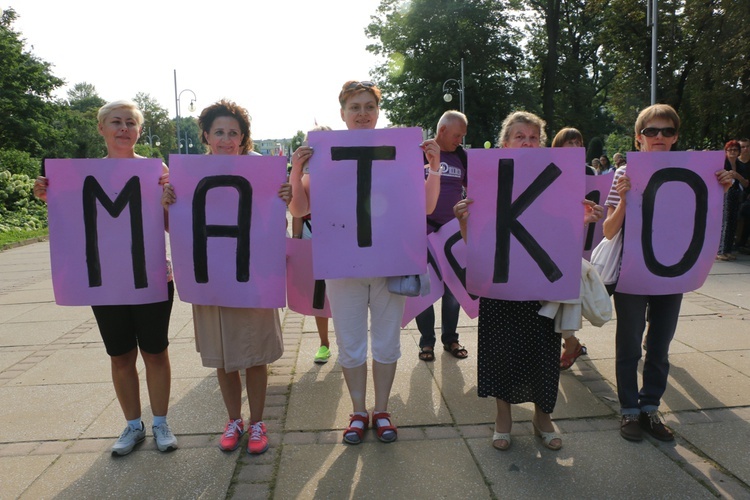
{"points": [[13, 238]]}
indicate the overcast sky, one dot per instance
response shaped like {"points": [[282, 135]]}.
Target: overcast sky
{"points": [[284, 60]]}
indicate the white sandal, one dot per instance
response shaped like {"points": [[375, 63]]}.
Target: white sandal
{"points": [[501, 436], [547, 437]]}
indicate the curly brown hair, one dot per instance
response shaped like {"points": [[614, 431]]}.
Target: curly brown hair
{"points": [[353, 87], [228, 108]]}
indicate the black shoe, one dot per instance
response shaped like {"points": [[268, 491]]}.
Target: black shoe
{"points": [[651, 423], [629, 428]]}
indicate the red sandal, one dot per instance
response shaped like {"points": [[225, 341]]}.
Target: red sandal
{"points": [[567, 360], [358, 433], [382, 429]]}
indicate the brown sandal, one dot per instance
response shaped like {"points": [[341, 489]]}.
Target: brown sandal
{"points": [[458, 351], [427, 355]]}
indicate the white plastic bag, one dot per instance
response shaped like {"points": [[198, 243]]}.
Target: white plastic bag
{"points": [[606, 258]]}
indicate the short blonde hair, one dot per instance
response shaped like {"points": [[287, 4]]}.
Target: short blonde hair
{"points": [[522, 117], [664, 111], [354, 87], [105, 110]]}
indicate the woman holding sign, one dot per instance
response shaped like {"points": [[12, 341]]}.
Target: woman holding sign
{"points": [[519, 350], [656, 129], [350, 299], [126, 329], [232, 339]]}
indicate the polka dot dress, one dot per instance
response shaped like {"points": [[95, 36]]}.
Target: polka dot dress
{"points": [[519, 353]]}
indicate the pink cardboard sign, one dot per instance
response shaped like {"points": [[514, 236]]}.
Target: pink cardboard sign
{"points": [[673, 221], [106, 228], [227, 229], [526, 224], [368, 198], [415, 305], [450, 252], [304, 294], [597, 189]]}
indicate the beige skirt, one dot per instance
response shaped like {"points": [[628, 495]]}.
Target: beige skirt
{"points": [[237, 338]]}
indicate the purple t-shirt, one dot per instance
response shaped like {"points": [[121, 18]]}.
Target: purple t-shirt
{"points": [[452, 182]]}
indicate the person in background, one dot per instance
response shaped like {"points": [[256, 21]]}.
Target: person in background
{"points": [[732, 201], [519, 350], [596, 165], [619, 160], [351, 298], [572, 347], [302, 228], [231, 339], [656, 129], [604, 165], [128, 329], [743, 230], [451, 130]]}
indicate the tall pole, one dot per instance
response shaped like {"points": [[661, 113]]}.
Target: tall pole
{"points": [[651, 20], [463, 89], [177, 111]]}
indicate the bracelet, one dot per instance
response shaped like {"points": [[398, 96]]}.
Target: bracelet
{"points": [[433, 172], [298, 236]]}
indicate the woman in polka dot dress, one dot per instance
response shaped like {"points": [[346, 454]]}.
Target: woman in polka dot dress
{"points": [[529, 371]]}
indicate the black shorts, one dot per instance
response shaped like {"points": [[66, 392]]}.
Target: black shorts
{"points": [[125, 327]]}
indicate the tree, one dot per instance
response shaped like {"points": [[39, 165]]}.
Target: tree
{"points": [[297, 140], [566, 66], [83, 97], [26, 86], [423, 42], [157, 125]]}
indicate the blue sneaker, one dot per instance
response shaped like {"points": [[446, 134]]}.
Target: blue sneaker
{"points": [[165, 440], [128, 439]]}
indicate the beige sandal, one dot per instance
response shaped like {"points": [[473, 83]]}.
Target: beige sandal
{"points": [[547, 437], [501, 436]]}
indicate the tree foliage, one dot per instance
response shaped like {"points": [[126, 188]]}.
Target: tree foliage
{"points": [[26, 86], [422, 43]]}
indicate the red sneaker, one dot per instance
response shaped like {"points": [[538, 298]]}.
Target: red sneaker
{"points": [[234, 430], [258, 441]]}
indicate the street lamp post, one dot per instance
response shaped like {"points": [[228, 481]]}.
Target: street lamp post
{"points": [[447, 97], [191, 108], [652, 11], [188, 144], [151, 137]]}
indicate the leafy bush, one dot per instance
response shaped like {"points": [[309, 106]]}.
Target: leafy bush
{"points": [[19, 210], [19, 162]]}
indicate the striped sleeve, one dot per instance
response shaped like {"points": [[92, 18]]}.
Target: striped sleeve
{"points": [[613, 198]]}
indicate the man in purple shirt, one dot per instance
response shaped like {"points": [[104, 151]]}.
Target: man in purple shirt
{"points": [[451, 130]]}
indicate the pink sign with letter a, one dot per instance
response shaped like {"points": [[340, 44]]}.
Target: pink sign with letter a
{"points": [[227, 229]]}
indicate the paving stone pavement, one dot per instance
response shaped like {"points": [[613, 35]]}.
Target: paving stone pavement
{"points": [[59, 415]]}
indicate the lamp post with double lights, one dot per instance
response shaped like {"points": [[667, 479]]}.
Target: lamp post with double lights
{"points": [[188, 144], [191, 108], [448, 97], [151, 138]]}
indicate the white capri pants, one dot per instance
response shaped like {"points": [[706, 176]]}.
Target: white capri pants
{"points": [[349, 299]]}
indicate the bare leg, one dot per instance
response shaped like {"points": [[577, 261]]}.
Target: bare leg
{"points": [[571, 344], [544, 423], [322, 324], [158, 380], [383, 375], [231, 390], [503, 422], [125, 380], [356, 382], [256, 379]]}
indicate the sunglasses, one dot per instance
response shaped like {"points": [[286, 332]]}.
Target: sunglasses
{"points": [[653, 131], [355, 85]]}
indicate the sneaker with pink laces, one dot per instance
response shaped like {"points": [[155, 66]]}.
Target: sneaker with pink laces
{"points": [[234, 430], [257, 443]]}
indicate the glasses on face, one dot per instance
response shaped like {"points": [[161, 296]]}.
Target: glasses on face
{"points": [[733, 150], [654, 131], [355, 85]]}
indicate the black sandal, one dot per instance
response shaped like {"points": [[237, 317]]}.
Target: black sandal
{"points": [[426, 355], [458, 351]]}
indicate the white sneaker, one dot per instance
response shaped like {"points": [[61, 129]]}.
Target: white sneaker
{"points": [[165, 440], [128, 439]]}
